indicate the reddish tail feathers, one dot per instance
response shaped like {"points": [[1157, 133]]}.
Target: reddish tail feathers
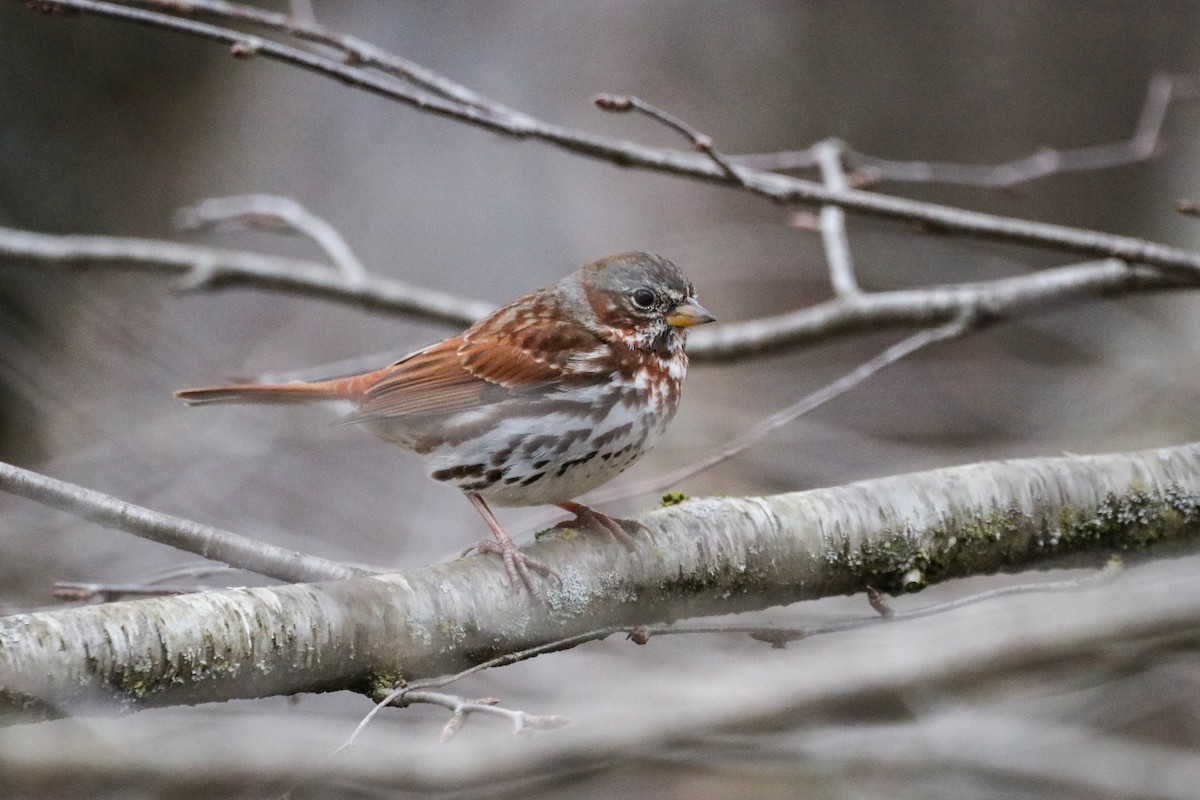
{"points": [[350, 388], [259, 393]]}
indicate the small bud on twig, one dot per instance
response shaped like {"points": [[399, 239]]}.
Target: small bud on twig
{"points": [[246, 48], [613, 102]]}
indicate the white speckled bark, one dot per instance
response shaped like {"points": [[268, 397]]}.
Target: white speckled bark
{"points": [[708, 555]]}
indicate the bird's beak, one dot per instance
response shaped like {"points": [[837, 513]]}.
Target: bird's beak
{"points": [[685, 315]]}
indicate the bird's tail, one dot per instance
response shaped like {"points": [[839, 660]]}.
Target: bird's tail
{"points": [[264, 393]]}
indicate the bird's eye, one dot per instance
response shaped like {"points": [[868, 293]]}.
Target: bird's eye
{"points": [[643, 298]]}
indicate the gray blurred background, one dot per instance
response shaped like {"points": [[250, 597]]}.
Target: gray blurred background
{"points": [[107, 128]]}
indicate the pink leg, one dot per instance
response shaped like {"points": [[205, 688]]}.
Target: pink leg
{"points": [[516, 563], [587, 517]]}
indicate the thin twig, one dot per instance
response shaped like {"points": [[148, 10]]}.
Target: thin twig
{"points": [[151, 585], [779, 188], [215, 268], [354, 50], [779, 635], [520, 655], [401, 693], [274, 213], [108, 592], [1143, 144], [699, 140], [197, 569], [405, 695], [833, 221], [203, 540], [828, 392]]}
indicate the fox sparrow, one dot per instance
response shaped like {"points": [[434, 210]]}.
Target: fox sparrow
{"points": [[537, 403]]}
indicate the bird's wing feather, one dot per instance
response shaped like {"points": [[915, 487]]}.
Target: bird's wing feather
{"points": [[522, 348]]}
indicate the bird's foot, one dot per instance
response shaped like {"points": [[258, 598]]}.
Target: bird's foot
{"points": [[517, 565], [623, 530]]}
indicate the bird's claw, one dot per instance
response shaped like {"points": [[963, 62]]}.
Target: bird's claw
{"points": [[589, 518], [518, 565]]}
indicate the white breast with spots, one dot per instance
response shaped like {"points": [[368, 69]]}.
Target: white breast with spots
{"points": [[555, 447]]}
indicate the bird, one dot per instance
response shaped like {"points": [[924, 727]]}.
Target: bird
{"points": [[537, 403]]}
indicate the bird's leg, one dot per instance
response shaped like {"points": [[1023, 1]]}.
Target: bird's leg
{"points": [[587, 517], [516, 563]]}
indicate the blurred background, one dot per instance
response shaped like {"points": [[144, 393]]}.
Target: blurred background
{"points": [[109, 128]]}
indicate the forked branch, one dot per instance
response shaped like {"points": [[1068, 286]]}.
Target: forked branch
{"points": [[399, 86]]}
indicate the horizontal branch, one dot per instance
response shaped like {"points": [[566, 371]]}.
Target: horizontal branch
{"points": [[707, 556], [215, 268], [926, 307], [820, 706], [214, 543], [776, 187]]}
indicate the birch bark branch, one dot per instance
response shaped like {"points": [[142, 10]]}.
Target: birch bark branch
{"points": [[706, 556]]}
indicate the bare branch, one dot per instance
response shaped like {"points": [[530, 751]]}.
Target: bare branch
{"points": [[462, 708], [817, 709], [278, 213], [779, 635], [505, 659], [214, 543], [354, 50], [706, 556], [699, 141], [108, 592], [833, 221], [779, 188], [1141, 146], [920, 307], [214, 268]]}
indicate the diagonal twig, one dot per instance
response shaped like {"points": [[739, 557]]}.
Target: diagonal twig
{"points": [[830, 391], [204, 540], [699, 141]]}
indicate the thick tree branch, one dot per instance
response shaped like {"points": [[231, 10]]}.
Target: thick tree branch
{"points": [[706, 556], [810, 703]]}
